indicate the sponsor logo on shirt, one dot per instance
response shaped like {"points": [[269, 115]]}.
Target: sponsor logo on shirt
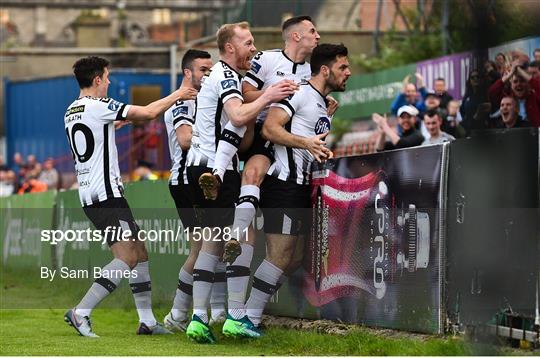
{"points": [[114, 106], [322, 125], [255, 67], [179, 111], [72, 110], [228, 84], [279, 73]]}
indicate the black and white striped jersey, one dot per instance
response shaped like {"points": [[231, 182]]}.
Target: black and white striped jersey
{"points": [[307, 110], [89, 124], [182, 112], [222, 84], [270, 67]]}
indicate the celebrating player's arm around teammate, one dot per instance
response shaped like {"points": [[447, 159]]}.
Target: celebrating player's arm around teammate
{"points": [[240, 116], [90, 128], [267, 68], [297, 126], [220, 102], [179, 120]]}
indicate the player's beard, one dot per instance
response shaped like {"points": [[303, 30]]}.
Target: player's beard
{"points": [[334, 84], [244, 63], [196, 84]]}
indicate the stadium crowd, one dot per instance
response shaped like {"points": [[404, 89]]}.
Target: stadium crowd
{"points": [[28, 176], [503, 94]]}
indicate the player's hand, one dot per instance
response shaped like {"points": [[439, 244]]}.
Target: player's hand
{"points": [[329, 153], [315, 145], [186, 93], [332, 105], [280, 90]]}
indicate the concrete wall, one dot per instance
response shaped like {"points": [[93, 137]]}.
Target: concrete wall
{"points": [[21, 64]]}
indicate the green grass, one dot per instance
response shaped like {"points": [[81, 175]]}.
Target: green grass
{"points": [[42, 331]]}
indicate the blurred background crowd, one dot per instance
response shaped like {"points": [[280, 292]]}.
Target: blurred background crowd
{"points": [[424, 72]]}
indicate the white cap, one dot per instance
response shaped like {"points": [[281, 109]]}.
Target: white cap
{"points": [[407, 109]]}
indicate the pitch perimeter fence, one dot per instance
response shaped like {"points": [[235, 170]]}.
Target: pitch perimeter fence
{"points": [[414, 239]]}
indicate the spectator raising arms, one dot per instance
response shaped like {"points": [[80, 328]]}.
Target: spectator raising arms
{"points": [[523, 87], [452, 121], [534, 70], [410, 95], [409, 138]]}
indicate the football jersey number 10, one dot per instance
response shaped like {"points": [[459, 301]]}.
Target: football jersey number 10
{"points": [[88, 138]]}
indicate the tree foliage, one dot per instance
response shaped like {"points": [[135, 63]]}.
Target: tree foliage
{"points": [[472, 24]]}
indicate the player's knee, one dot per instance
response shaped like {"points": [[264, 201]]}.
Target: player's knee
{"points": [[192, 258], [142, 256], [127, 253], [251, 176], [131, 261]]}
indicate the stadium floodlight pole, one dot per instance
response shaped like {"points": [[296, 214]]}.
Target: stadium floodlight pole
{"points": [[174, 66]]}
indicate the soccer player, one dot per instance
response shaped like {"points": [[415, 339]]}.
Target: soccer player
{"points": [[267, 68], [297, 127], [90, 127], [218, 103], [179, 120]]}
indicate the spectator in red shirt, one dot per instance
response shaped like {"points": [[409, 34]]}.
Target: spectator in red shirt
{"points": [[523, 87], [534, 69]]}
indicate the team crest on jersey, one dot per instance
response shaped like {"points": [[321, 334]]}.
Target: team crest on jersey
{"points": [[255, 67], [228, 84], [114, 106], [179, 111], [322, 125]]}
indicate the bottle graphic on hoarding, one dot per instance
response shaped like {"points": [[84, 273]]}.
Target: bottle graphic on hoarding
{"points": [[361, 241]]}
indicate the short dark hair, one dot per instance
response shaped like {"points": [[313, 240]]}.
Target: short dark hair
{"points": [[294, 20], [514, 99], [190, 56], [433, 112], [87, 68], [326, 55], [440, 79]]}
